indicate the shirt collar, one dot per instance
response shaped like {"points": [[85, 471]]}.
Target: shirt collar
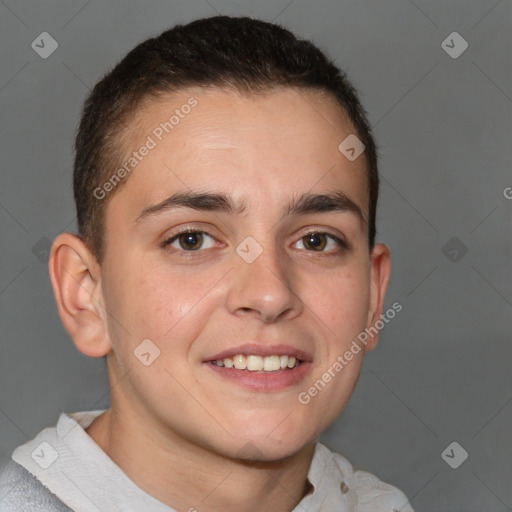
{"points": [[331, 489], [52, 458]]}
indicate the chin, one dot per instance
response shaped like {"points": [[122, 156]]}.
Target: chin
{"points": [[267, 447]]}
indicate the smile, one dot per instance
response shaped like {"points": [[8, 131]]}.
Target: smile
{"points": [[250, 372], [254, 363]]}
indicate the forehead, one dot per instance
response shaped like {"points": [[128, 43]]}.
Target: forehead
{"points": [[278, 143]]}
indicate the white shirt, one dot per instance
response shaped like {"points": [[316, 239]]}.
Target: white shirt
{"points": [[74, 468]]}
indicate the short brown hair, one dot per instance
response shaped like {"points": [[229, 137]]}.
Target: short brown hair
{"points": [[242, 53]]}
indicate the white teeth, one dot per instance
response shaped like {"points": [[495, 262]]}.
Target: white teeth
{"points": [[272, 363], [240, 362], [255, 363]]}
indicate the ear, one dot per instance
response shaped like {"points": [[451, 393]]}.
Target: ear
{"points": [[380, 271], [76, 279]]}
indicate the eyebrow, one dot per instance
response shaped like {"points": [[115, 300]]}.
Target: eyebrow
{"points": [[305, 204]]}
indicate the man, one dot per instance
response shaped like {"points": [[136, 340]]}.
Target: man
{"points": [[226, 188]]}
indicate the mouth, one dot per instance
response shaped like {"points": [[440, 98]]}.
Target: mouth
{"points": [[255, 363], [261, 368]]}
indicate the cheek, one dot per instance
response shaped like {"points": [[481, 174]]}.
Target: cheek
{"points": [[138, 304], [342, 303], [166, 303]]}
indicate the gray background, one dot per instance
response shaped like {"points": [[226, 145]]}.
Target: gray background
{"points": [[442, 370]]}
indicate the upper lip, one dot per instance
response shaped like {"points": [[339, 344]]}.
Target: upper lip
{"points": [[259, 349]]}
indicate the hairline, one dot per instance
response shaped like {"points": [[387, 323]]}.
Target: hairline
{"points": [[122, 135]]}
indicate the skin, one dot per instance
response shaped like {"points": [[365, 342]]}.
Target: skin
{"points": [[175, 427]]}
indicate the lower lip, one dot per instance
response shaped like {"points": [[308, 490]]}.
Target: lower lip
{"points": [[263, 381]]}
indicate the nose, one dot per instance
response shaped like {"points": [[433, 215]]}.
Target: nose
{"points": [[263, 288]]}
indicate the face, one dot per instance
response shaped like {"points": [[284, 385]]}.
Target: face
{"points": [[272, 261]]}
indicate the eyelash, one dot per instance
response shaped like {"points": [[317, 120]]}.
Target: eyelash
{"points": [[342, 245]]}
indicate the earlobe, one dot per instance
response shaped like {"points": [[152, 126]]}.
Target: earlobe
{"points": [[380, 272], [76, 282]]}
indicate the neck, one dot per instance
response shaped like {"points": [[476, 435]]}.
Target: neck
{"points": [[188, 477]]}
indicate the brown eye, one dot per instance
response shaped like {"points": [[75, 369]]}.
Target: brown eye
{"points": [[322, 242], [191, 241], [315, 241]]}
